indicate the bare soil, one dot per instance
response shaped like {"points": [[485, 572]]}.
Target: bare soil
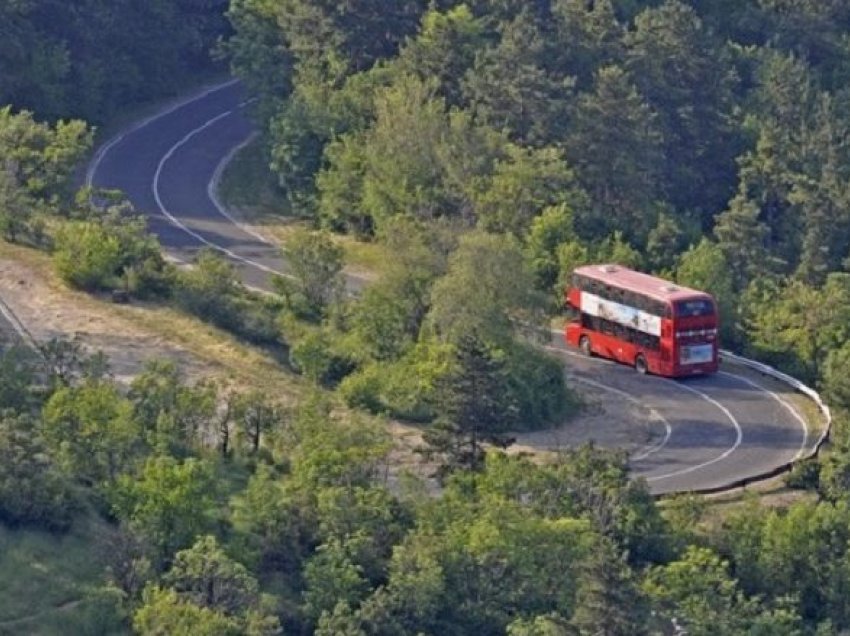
{"points": [[131, 334]]}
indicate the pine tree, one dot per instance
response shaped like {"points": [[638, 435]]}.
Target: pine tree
{"points": [[472, 408], [608, 601]]}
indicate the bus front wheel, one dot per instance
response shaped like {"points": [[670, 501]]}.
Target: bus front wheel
{"points": [[640, 364], [584, 345]]}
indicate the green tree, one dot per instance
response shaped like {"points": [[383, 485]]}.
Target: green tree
{"points": [[445, 48], [522, 185], [41, 158], [553, 227], [91, 432], [698, 591], [316, 263], [32, 489], [332, 577], [799, 325], [273, 529], [704, 266], [87, 256], [206, 577], [687, 78], [163, 612], [510, 89], [608, 600], [616, 147], [256, 416], [742, 237], [169, 503], [487, 286], [171, 413], [17, 379], [472, 408], [591, 36], [836, 381]]}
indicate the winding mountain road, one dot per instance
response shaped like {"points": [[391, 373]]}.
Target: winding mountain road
{"points": [[711, 431]]}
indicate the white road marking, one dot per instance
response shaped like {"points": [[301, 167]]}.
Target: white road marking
{"points": [[103, 150], [800, 419], [651, 448], [177, 222], [212, 190], [739, 435]]}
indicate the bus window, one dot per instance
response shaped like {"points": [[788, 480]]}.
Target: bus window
{"points": [[695, 307]]}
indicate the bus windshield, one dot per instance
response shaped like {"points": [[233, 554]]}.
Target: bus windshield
{"points": [[694, 307]]}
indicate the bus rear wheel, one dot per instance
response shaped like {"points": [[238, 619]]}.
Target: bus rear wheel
{"points": [[584, 345], [640, 364]]}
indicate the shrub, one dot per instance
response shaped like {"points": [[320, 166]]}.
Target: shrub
{"points": [[87, 256]]}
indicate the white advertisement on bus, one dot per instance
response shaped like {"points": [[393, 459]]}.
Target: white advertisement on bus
{"points": [[622, 314]]}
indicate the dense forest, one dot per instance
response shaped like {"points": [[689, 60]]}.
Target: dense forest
{"points": [[491, 146]]}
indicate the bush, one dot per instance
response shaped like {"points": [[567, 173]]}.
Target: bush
{"points": [[362, 389], [535, 384], [33, 491], [86, 256], [315, 356]]}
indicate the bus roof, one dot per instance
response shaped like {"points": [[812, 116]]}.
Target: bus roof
{"points": [[638, 282]]}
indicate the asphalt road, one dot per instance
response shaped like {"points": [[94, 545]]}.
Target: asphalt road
{"points": [[711, 431]]}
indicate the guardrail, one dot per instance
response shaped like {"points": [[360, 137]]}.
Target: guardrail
{"points": [[786, 467]]}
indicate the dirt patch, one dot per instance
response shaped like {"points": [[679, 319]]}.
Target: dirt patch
{"points": [[132, 334], [49, 312]]}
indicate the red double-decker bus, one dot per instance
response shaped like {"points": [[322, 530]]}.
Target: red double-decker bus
{"points": [[652, 324]]}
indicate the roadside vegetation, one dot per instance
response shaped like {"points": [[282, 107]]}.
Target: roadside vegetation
{"points": [[488, 148]]}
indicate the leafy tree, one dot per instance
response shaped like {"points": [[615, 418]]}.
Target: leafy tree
{"points": [[742, 237], [522, 185], [591, 34], [836, 381], [87, 256], [273, 530], [112, 251], [510, 89], [487, 286], [404, 170], [316, 263], [169, 503], [331, 577], [171, 413], [207, 290], [488, 561], [258, 52], [705, 267], [90, 431], [32, 489], [17, 380], [698, 591], [445, 48], [40, 158], [799, 325], [206, 577], [64, 361], [553, 227], [162, 612], [256, 416]]}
